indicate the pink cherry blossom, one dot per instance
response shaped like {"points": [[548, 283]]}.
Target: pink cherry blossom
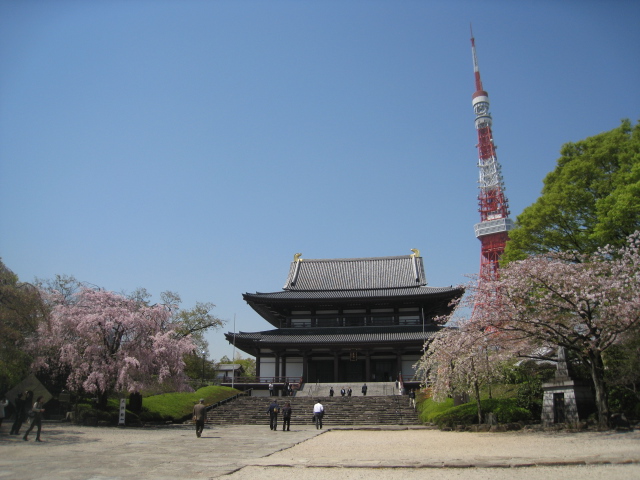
{"points": [[110, 343]]}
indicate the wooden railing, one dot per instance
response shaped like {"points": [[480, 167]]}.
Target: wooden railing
{"points": [[279, 381]]}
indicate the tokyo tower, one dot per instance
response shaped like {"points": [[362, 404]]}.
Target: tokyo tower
{"points": [[493, 205]]}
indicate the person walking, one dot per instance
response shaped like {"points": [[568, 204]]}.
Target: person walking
{"points": [[272, 410], [286, 416], [318, 413], [3, 403], [349, 392], [412, 398], [199, 416], [36, 419], [331, 391], [342, 391], [364, 389], [18, 403], [271, 389]]}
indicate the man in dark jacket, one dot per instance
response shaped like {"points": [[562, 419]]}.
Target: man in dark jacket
{"points": [[273, 411], [199, 416], [286, 416], [20, 414], [364, 389]]}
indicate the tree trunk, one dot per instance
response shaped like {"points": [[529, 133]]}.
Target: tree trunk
{"points": [[102, 400], [476, 387], [597, 376]]}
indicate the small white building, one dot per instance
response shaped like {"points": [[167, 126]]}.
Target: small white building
{"points": [[226, 371]]}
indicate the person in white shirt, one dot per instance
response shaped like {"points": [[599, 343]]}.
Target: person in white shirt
{"points": [[318, 413]]}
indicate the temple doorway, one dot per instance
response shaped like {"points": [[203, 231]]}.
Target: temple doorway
{"points": [[321, 371], [383, 370], [354, 371]]}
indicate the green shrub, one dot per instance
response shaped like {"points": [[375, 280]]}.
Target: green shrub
{"points": [[176, 406], [167, 407], [527, 379], [444, 414], [622, 400], [508, 411], [428, 409]]}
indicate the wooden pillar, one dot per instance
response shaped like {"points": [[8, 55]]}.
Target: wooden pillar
{"points": [[305, 366], [257, 362], [277, 371], [398, 363], [336, 365], [284, 365], [367, 365]]}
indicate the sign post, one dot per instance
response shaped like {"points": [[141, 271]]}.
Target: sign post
{"points": [[123, 409]]}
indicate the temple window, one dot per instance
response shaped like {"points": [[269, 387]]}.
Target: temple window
{"points": [[355, 321], [409, 320], [382, 320], [327, 322], [300, 322]]}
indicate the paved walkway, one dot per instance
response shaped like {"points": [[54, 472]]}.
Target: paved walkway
{"points": [[173, 452]]}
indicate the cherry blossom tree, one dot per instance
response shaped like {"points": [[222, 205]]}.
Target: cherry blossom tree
{"points": [[107, 342], [585, 306], [461, 360]]}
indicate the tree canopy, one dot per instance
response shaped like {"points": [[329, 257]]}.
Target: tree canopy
{"points": [[461, 360], [21, 310], [591, 199], [105, 342], [586, 306], [249, 364]]}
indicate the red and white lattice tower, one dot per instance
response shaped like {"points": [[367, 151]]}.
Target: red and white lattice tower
{"points": [[494, 207]]}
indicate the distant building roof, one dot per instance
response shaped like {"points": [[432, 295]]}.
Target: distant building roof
{"points": [[230, 366]]}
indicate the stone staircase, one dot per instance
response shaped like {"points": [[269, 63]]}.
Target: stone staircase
{"points": [[339, 411], [321, 390]]}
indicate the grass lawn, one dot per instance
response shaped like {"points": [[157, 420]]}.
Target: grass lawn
{"points": [[178, 405]]}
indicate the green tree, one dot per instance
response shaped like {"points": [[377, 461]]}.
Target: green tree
{"points": [[248, 364], [21, 311], [195, 322], [591, 199], [623, 375]]}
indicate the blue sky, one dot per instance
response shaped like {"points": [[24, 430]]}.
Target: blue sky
{"points": [[195, 146]]}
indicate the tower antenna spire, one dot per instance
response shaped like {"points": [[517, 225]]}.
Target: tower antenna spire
{"points": [[476, 68], [492, 231]]}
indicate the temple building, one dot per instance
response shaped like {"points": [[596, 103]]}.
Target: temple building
{"points": [[346, 320]]}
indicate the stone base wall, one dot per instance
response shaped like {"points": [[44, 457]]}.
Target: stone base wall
{"points": [[578, 401]]}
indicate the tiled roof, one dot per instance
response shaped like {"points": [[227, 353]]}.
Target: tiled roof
{"points": [[356, 273], [350, 335], [346, 294]]}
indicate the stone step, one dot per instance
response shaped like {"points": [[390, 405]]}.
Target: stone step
{"points": [[390, 410], [374, 389]]}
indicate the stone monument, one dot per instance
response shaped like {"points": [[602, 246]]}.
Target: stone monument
{"points": [[566, 400]]}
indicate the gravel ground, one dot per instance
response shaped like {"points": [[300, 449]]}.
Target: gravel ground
{"points": [[413, 454], [605, 472], [244, 452]]}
